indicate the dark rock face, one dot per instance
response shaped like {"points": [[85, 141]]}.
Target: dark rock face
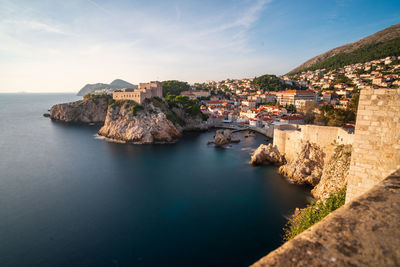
{"points": [[82, 111], [363, 232]]}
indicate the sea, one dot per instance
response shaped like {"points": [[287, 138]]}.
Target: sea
{"points": [[70, 198]]}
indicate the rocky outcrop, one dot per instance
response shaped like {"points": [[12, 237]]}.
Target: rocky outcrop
{"points": [[223, 137], [128, 122], [88, 110], [334, 173], [307, 167], [267, 154]]}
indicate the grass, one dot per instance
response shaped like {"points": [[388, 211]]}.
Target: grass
{"points": [[312, 214]]}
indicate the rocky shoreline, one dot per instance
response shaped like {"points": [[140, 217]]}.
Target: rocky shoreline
{"points": [[128, 122], [309, 167]]}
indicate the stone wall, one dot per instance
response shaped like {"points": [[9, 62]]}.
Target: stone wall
{"points": [[376, 147], [289, 138], [364, 232]]}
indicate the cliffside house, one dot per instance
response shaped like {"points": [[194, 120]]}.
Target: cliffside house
{"points": [[145, 90]]}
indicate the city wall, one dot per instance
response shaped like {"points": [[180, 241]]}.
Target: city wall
{"points": [[376, 147], [289, 138]]}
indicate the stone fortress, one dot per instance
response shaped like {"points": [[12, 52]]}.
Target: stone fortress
{"points": [[145, 90]]}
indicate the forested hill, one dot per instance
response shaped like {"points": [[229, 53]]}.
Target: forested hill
{"points": [[381, 44]]}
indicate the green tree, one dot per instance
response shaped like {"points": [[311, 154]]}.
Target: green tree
{"points": [[174, 87]]}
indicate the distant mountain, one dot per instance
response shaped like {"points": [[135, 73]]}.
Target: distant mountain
{"points": [[116, 84], [381, 44]]}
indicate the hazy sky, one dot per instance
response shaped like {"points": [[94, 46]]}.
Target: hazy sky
{"points": [[60, 45]]}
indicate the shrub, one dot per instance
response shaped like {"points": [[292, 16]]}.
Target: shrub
{"points": [[175, 119], [313, 213], [111, 102], [136, 108]]}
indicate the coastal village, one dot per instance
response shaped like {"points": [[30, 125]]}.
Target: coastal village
{"points": [[241, 102], [304, 95], [299, 98]]}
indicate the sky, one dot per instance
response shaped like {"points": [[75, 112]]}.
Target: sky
{"points": [[59, 45]]}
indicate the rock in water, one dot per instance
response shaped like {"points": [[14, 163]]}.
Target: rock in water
{"points": [[88, 110], [267, 154], [334, 175], [220, 139], [307, 168], [223, 137]]}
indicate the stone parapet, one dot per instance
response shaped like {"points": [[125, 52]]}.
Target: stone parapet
{"points": [[364, 232]]}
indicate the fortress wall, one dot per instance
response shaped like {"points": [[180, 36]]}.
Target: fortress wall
{"points": [[289, 138], [344, 138], [288, 141], [376, 147]]}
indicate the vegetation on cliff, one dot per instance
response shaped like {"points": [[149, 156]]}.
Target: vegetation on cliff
{"points": [[313, 213], [360, 55], [378, 45], [271, 83], [174, 87]]}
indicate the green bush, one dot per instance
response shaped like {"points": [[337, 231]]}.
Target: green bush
{"points": [[135, 108], [174, 87], [272, 83], [175, 119], [111, 101], [190, 106], [313, 213]]}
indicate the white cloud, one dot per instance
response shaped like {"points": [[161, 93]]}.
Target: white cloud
{"points": [[129, 44]]}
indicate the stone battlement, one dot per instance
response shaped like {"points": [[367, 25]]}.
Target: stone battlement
{"points": [[145, 90], [289, 138]]}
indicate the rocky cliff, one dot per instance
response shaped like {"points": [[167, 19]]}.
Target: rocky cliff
{"points": [[334, 175], [88, 110], [153, 122], [267, 154], [307, 167]]}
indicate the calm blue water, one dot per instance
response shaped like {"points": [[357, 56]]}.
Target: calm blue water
{"points": [[69, 199]]}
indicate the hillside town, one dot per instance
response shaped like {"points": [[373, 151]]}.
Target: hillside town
{"points": [[241, 101], [322, 96]]}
